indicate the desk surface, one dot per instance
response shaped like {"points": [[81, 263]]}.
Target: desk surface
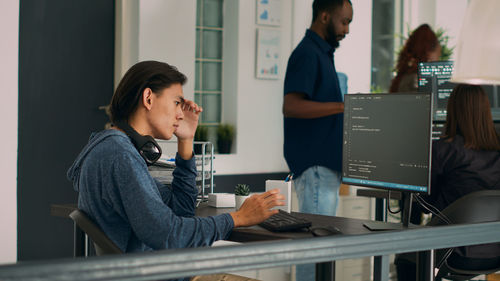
{"points": [[255, 233]]}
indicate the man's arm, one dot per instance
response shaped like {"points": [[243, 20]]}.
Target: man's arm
{"points": [[136, 199], [184, 190], [296, 105]]}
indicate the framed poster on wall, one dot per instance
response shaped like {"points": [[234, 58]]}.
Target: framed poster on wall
{"points": [[269, 12], [268, 53]]}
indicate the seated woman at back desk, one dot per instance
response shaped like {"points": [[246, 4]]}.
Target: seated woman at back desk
{"points": [[465, 160]]}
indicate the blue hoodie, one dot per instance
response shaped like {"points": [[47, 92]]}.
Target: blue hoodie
{"points": [[135, 211]]}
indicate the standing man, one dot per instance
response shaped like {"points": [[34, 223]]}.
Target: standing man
{"points": [[313, 112]]}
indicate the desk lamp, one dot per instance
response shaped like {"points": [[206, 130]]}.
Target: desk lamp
{"points": [[478, 50]]}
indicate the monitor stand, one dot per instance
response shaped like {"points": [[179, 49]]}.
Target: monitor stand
{"points": [[406, 197]]}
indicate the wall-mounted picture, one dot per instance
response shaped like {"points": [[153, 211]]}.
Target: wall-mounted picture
{"points": [[268, 53], [269, 12]]}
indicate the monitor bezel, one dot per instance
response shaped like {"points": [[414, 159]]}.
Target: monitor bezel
{"points": [[431, 110]]}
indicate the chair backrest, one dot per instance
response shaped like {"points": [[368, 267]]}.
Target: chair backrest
{"points": [[480, 206], [476, 207], [103, 245]]}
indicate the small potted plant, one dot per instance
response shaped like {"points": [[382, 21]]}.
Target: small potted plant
{"points": [[241, 192], [201, 134], [225, 136]]}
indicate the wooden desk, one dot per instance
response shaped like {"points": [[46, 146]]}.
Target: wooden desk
{"points": [[324, 271]]}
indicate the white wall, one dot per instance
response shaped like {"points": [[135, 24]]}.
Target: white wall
{"points": [[449, 15], [126, 37], [9, 30], [259, 120], [167, 32], [446, 14], [301, 19], [230, 47], [354, 56]]}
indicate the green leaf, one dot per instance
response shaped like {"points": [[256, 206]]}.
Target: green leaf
{"points": [[242, 189]]}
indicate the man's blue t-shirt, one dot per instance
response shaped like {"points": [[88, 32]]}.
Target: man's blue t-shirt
{"points": [[313, 142]]}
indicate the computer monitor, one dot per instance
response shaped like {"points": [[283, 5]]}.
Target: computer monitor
{"points": [[435, 77], [387, 142]]}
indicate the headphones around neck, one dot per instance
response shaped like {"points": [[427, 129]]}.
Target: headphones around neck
{"points": [[146, 145]]}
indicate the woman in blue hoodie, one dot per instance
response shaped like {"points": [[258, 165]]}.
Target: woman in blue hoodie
{"points": [[115, 188]]}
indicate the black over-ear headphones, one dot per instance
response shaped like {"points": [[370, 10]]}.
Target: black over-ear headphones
{"points": [[146, 145]]}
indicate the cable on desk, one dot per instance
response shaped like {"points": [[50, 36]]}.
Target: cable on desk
{"points": [[432, 209], [389, 204], [435, 211]]}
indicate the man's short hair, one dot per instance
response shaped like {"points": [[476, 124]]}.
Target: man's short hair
{"points": [[326, 5]]}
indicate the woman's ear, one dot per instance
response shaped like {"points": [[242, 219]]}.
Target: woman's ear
{"points": [[147, 98]]}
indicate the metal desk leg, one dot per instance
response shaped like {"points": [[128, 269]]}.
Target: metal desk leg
{"points": [[425, 266], [380, 263], [88, 247], [380, 209], [325, 271], [381, 268], [78, 242]]}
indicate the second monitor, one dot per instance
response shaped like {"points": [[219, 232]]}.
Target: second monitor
{"points": [[435, 77]]}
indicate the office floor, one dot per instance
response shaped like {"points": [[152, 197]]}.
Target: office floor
{"points": [[493, 277]]}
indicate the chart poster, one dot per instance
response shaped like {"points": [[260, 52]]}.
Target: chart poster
{"points": [[269, 12], [268, 53]]}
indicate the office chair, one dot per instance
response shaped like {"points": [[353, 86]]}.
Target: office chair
{"points": [[476, 207], [102, 244]]}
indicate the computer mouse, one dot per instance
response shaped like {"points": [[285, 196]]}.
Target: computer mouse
{"points": [[325, 231]]}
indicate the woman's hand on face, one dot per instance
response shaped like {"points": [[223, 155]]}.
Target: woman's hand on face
{"points": [[187, 126], [257, 208]]}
